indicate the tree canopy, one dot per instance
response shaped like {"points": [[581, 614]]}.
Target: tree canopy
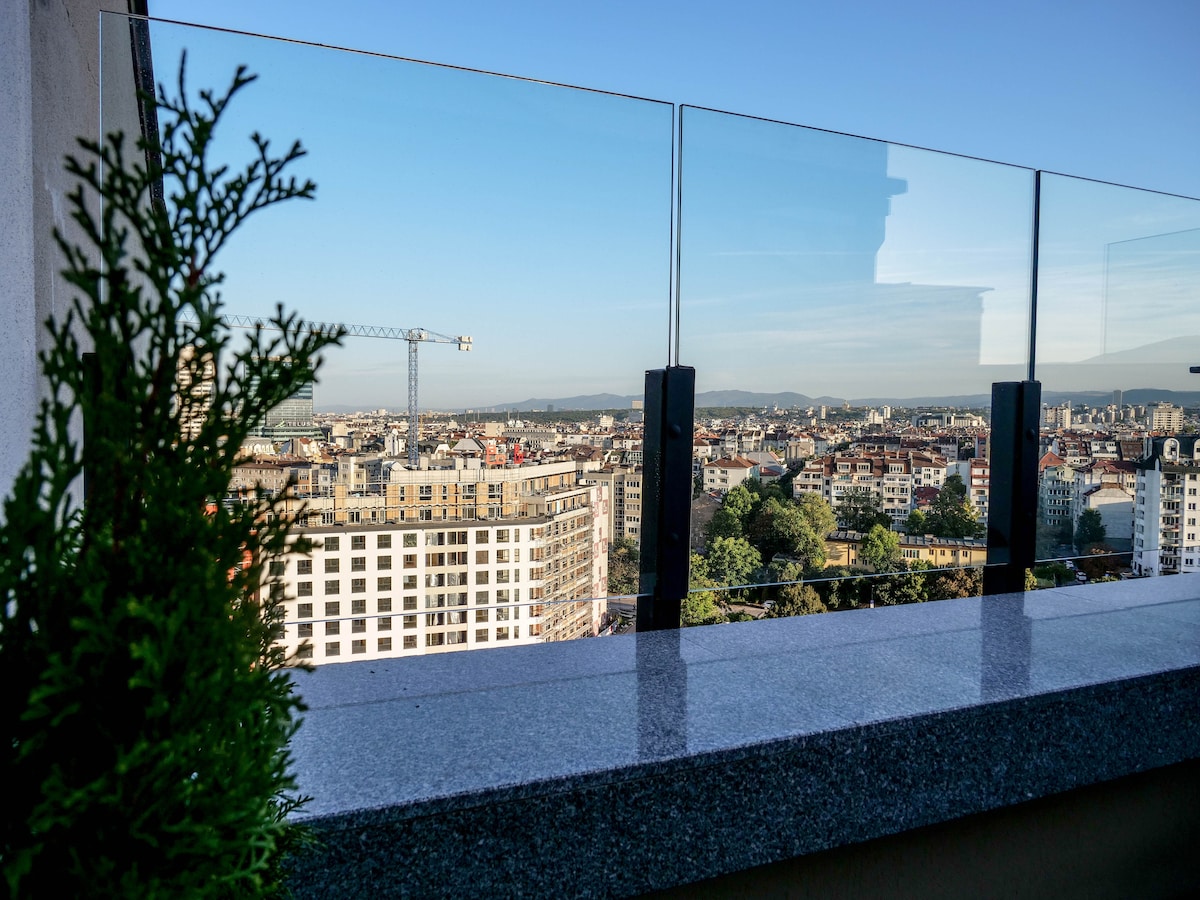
{"points": [[951, 514], [859, 509], [1090, 529], [880, 549]]}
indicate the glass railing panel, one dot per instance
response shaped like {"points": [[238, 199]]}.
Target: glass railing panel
{"points": [[454, 210], [847, 304], [1117, 333]]}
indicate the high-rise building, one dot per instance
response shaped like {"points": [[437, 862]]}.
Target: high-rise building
{"points": [[442, 560], [292, 418]]}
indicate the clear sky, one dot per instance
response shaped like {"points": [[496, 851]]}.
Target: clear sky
{"points": [[538, 221]]}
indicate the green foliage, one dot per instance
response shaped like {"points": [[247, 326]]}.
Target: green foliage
{"points": [[146, 713], [700, 606], [952, 583], [796, 600], [731, 561], [624, 559], [724, 523], [1055, 572], [951, 514], [915, 523], [880, 549], [1090, 529], [860, 510]]}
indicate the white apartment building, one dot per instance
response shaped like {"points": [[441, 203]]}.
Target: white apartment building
{"points": [[1166, 536], [530, 568], [888, 477], [726, 473]]}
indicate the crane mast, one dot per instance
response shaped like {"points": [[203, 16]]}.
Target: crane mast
{"points": [[414, 337]]}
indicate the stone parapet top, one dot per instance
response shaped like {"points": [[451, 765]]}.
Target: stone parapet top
{"points": [[619, 765]]}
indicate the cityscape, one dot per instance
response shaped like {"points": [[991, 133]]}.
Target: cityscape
{"points": [[524, 527]]}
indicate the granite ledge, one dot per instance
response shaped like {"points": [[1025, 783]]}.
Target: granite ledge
{"points": [[616, 766]]}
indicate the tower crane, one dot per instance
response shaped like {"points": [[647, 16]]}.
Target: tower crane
{"points": [[414, 337]]}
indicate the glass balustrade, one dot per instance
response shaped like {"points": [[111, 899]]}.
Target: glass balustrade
{"points": [[847, 304]]}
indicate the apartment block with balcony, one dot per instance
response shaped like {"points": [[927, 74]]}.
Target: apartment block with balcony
{"points": [[1166, 508]]}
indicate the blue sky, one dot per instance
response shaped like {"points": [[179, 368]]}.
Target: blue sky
{"points": [[538, 220]]}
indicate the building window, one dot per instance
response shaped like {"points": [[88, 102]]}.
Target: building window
{"points": [[481, 577], [481, 557], [410, 622], [277, 568], [501, 535], [358, 646], [383, 563], [332, 565], [481, 536], [410, 560], [358, 542], [304, 567], [305, 652], [334, 648], [384, 645], [410, 602], [410, 642], [304, 610], [333, 587], [435, 640], [333, 608], [304, 589], [481, 615], [358, 607], [410, 582], [495, 491], [304, 630], [410, 540], [358, 564], [354, 517], [358, 626], [333, 628], [502, 634], [425, 492], [384, 584], [358, 585], [383, 542], [481, 635], [384, 624]]}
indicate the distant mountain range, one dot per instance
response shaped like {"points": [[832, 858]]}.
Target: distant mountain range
{"points": [[790, 399]]}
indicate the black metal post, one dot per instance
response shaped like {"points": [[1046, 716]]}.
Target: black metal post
{"points": [[666, 496], [1012, 503]]}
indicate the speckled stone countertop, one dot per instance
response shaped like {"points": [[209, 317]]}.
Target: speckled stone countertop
{"points": [[615, 766]]}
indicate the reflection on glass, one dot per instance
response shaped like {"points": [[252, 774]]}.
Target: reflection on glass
{"points": [[854, 301], [1118, 330], [820, 269], [454, 210]]}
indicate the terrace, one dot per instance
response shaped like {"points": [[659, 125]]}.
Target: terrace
{"points": [[1047, 738]]}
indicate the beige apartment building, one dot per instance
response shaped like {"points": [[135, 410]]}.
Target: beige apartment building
{"points": [[431, 570]]}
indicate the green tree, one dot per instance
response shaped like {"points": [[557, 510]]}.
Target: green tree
{"points": [[724, 523], [818, 512], [951, 514], [901, 587], [915, 523], [952, 583], [783, 527], [880, 549], [145, 711], [1089, 530], [731, 561], [700, 606], [796, 600], [624, 559], [860, 510]]}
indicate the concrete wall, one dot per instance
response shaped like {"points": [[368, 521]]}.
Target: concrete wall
{"points": [[49, 95]]}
